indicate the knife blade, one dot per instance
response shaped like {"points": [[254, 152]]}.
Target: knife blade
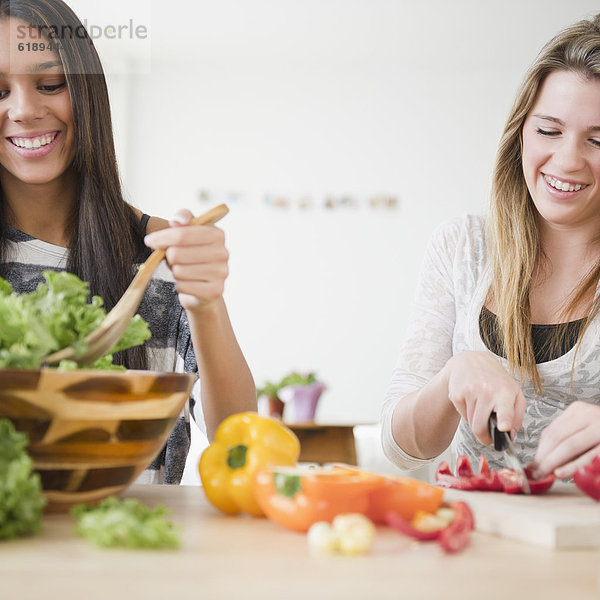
{"points": [[503, 443]]}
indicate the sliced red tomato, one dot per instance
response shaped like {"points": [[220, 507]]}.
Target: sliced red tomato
{"points": [[403, 526], [587, 478], [539, 486], [452, 538], [445, 478], [510, 481], [486, 479], [505, 480], [463, 467]]}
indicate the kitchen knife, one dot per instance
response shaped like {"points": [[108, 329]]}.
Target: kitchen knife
{"points": [[503, 443]]}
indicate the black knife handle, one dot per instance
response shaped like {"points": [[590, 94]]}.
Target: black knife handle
{"points": [[500, 438]]}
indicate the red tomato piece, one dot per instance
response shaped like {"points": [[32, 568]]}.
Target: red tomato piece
{"points": [[457, 535], [539, 486], [510, 480], [445, 478], [444, 468], [453, 538], [587, 478], [403, 526], [486, 479], [506, 480], [463, 514], [463, 467]]}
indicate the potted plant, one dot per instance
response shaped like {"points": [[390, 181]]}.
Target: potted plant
{"points": [[275, 405], [303, 391]]}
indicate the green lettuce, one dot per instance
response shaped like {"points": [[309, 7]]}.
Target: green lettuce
{"points": [[21, 499], [55, 315], [126, 523]]}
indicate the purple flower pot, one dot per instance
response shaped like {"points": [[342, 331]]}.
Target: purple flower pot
{"points": [[305, 399]]}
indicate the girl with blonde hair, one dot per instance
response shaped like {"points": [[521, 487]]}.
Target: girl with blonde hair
{"points": [[506, 311]]}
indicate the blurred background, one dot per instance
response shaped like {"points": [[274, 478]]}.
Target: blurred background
{"points": [[340, 133]]}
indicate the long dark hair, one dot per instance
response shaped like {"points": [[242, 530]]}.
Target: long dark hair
{"points": [[106, 239]]}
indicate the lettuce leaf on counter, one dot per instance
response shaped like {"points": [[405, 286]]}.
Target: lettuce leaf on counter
{"points": [[55, 315], [126, 523], [21, 499]]}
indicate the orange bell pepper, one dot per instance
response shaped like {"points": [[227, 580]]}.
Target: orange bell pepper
{"points": [[298, 497], [402, 495], [405, 497]]}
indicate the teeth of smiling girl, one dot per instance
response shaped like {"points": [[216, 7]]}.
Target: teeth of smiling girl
{"points": [[35, 143], [563, 186]]}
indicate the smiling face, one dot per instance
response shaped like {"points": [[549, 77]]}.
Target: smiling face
{"points": [[561, 151], [37, 139]]}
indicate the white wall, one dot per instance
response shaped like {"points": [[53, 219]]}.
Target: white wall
{"points": [[316, 97]]}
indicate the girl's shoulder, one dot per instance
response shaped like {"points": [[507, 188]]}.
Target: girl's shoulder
{"points": [[466, 231], [467, 224], [154, 223]]}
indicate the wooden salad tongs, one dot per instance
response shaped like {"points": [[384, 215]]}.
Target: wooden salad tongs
{"points": [[107, 334]]}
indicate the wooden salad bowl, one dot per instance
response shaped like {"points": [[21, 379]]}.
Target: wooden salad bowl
{"points": [[91, 433]]}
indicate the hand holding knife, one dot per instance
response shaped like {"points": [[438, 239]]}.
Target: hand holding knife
{"points": [[503, 443]]}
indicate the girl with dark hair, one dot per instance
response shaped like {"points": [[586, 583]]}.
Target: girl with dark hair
{"points": [[507, 309], [61, 207]]}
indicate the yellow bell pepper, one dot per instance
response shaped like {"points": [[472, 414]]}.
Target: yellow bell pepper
{"points": [[244, 443]]}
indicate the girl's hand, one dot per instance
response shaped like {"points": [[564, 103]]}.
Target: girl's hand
{"points": [[479, 385], [569, 442], [197, 257]]}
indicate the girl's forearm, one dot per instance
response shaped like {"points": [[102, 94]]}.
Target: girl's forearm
{"points": [[226, 380], [424, 421]]}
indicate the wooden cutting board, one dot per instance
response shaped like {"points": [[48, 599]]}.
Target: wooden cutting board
{"points": [[563, 517]]}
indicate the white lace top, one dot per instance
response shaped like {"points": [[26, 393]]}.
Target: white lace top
{"points": [[452, 286]]}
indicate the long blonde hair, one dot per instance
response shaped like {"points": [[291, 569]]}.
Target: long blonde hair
{"points": [[512, 236]]}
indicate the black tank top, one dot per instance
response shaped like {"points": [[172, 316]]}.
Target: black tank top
{"points": [[540, 334], [144, 222]]}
